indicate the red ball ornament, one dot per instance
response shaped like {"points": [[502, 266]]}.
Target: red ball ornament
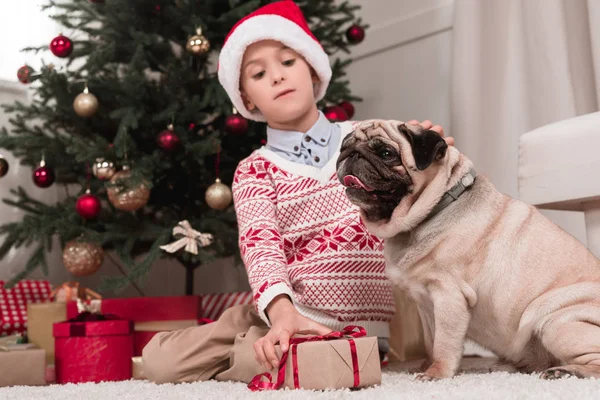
{"points": [[355, 34], [335, 114], [61, 46], [88, 206], [348, 107], [236, 124], [43, 176], [24, 74], [168, 140]]}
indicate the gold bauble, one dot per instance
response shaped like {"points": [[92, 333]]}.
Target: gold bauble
{"points": [[127, 200], [85, 104], [82, 258], [198, 44], [103, 169], [218, 195]]}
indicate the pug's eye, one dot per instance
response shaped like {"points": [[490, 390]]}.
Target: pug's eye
{"points": [[386, 154]]}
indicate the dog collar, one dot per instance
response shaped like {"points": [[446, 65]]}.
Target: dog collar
{"points": [[457, 190]]}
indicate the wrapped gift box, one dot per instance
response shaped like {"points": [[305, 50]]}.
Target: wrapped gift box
{"points": [[93, 351], [22, 364], [321, 364], [13, 304], [149, 314], [40, 318], [213, 305]]}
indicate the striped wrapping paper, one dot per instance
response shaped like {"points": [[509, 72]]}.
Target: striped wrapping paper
{"points": [[213, 305]]}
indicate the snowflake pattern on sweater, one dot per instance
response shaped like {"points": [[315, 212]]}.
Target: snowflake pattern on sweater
{"points": [[299, 235]]}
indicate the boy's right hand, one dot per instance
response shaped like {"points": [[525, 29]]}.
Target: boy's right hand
{"points": [[286, 321]]}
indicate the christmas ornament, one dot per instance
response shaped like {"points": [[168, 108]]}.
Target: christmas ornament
{"points": [[24, 74], [3, 166], [189, 238], [355, 34], [236, 124], [103, 169], [85, 104], [218, 195], [61, 46], [127, 199], [335, 114], [168, 140], [43, 176], [348, 107], [88, 206], [96, 1], [198, 44], [82, 258]]}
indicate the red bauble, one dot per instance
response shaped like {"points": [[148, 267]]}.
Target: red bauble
{"points": [[61, 46], [24, 74], [335, 114], [348, 107], [43, 176], [355, 34], [168, 140], [236, 124], [88, 206]]}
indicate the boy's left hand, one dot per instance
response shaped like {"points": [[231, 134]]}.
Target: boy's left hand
{"points": [[427, 124]]}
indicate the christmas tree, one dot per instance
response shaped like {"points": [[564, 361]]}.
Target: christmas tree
{"points": [[138, 128]]}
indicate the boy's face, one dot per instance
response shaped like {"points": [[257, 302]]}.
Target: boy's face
{"points": [[277, 81]]}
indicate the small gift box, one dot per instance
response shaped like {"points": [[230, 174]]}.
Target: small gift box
{"points": [[41, 316], [346, 359], [149, 314], [213, 305], [13, 304], [21, 364], [93, 348]]}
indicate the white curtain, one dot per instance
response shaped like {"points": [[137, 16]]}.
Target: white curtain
{"points": [[518, 65]]}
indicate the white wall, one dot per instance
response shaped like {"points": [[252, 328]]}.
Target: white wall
{"points": [[402, 68]]}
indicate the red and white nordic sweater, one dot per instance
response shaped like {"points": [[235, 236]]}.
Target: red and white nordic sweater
{"points": [[299, 235]]}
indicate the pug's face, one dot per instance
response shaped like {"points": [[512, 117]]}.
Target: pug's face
{"points": [[374, 170]]}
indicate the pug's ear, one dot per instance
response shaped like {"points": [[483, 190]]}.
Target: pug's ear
{"points": [[427, 146]]}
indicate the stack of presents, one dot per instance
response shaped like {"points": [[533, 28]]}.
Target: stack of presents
{"points": [[69, 334]]}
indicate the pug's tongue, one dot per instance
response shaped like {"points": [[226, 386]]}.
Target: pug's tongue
{"points": [[352, 181]]}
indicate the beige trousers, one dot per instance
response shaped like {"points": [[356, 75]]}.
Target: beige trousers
{"points": [[222, 350]]}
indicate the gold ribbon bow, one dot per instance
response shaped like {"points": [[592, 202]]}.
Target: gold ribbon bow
{"points": [[190, 240]]}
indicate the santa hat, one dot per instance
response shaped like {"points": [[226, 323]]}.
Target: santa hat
{"points": [[284, 22]]}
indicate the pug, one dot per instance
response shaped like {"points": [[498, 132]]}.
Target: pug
{"points": [[478, 264]]}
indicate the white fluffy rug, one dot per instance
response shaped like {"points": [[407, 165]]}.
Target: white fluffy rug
{"points": [[397, 383]]}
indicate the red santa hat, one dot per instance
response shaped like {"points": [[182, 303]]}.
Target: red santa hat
{"points": [[284, 22]]}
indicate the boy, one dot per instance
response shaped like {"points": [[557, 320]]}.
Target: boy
{"points": [[311, 264]]}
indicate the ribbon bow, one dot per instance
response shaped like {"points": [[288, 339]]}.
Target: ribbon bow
{"points": [[190, 239], [350, 331]]}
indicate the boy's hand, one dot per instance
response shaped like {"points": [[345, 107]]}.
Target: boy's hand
{"points": [[437, 128], [286, 321]]}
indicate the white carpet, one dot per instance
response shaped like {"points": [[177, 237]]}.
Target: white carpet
{"points": [[397, 384]]}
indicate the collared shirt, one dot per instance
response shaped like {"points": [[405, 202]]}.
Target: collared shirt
{"points": [[314, 147]]}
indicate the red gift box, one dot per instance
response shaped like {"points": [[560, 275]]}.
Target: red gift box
{"points": [[93, 351], [13, 304], [149, 314], [213, 305]]}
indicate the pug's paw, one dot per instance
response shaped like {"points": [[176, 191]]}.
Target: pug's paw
{"points": [[559, 373], [435, 372]]}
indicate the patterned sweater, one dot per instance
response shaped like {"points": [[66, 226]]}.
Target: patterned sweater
{"points": [[299, 235]]}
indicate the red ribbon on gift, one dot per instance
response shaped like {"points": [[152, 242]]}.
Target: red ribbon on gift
{"points": [[351, 331]]}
